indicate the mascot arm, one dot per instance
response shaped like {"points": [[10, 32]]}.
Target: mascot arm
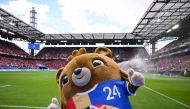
{"points": [[134, 78], [54, 104]]}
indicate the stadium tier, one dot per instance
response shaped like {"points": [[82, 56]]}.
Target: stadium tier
{"points": [[125, 53], [7, 62], [182, 42], [54, 53], [11, 49], [171, 63], [11, 56], [172, 58]]}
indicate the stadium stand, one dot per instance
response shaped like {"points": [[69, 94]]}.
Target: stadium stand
{"points": [[53, 57], [173, 59], [125, 53], [13, 57], [12, 49], [182, 42], [7, 62], [54, 53]]}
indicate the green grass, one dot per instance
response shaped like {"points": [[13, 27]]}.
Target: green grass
{"points": [[28, 88], [177, 88], [37, 89]]}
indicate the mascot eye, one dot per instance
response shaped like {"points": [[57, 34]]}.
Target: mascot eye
{"points": [[97, 63], [64, 80]]}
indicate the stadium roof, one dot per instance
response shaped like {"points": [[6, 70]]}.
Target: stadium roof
{"points": [[13, 25], [90, 36], [161, 16]]}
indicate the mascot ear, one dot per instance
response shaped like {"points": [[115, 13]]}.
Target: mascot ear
{"points": [[58, 74], [103, 50], [77, 53]]}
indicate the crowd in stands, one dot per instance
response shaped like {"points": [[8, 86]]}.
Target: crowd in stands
{"points": [[15, 62], [53, 57], [54, 53], [175, 44], [9, 48], [63, 52], [11, 56], [177, 63], [173, 58]]}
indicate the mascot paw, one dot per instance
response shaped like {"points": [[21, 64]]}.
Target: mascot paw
{"points": [[136, 78], [54, 104]]}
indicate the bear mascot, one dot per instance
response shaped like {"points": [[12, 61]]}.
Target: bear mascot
{"points": [[95, 81]]}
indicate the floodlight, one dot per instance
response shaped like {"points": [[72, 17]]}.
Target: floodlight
{"points": [[169, 31], [11, 23], [175, 27], [4, 30], [117, 56], [11, 33], [1, 18], [158, 20]]}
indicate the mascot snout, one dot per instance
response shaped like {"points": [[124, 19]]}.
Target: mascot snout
{"points": [[81, 76]]}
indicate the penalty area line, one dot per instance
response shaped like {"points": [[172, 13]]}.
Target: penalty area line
{"points": [[28, 107], [168, 97]]}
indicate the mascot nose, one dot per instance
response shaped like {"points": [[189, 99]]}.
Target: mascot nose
{"points": [[77, 71]]}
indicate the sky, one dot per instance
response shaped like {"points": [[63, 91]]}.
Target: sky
{"points": [[80, 16]]}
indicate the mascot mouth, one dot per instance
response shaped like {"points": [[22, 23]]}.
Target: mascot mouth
{"points": [[81, 76]]}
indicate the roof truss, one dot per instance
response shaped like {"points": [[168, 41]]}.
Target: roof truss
{"points": [[15, 25], [88, 36], [161, 16]]}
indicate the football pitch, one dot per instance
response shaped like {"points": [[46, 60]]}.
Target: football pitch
{"points": [[22, 90]]}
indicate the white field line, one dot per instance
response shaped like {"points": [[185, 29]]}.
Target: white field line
{"points": [[28, 107], [168, 97], [4, 86], [12, 106]]}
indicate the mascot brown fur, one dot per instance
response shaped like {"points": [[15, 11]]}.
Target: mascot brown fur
{"points": [[85, 70]]}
